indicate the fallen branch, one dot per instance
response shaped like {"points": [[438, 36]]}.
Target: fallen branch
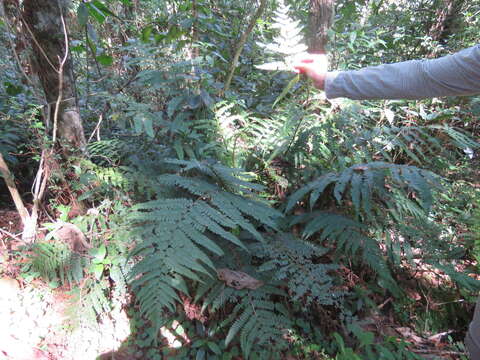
{"points": [[441, 352], [12, 188]]}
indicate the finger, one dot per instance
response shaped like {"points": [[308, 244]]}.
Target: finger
{"points": [[299, 69]]}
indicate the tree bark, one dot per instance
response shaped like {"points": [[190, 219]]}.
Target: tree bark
{"points": [[44, 23], [448, 16], [319, 21]]}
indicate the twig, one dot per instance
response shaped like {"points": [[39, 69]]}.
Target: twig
{"points": [[60, 80], [450, 302], [384, 303], [42, 177], [441, 352], [13, 236], [38, 45], [96, 130]]}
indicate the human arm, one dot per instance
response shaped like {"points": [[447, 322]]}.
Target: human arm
{"points": [[457, 74]]}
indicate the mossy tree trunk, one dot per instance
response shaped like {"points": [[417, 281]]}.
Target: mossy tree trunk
{"points": [[44, 22], [319, 21], [45, 31]]}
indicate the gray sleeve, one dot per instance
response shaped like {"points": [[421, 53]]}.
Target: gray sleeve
{"points": [[457, 74]]}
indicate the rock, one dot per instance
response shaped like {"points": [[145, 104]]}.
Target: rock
{"points": [[9, 288]]}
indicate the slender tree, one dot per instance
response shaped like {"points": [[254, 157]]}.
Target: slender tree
{"points": [[241, 43]]}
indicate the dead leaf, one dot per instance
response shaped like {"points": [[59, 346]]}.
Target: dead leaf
{"points": [[238, 279]]}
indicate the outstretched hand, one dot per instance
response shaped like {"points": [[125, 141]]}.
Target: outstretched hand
{"points": [[315, 66]]}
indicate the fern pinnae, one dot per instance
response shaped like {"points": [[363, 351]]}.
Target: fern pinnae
{"points": [[341, 184], [257, 211], [229, 209], [461, 140], [199, 238], [238, 324], [298, 195], [356, 191], [348, 235], [319, 187], [205, 286], [214, 214], [179, 235]]}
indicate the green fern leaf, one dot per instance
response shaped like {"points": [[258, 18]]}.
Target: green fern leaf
{"points": [[178, 236]]}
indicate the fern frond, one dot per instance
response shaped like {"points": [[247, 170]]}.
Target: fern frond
{"points": [[261, 323], [292, 261], [56, 262], [349, 237], [418, 143], [368, 183], [179, 236], [460, 139], [88, 302]]}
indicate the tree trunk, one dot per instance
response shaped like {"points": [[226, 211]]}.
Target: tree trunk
{"points": [[448, 17], [319, 21], [241, 43], [44, 22], [195, 51]]}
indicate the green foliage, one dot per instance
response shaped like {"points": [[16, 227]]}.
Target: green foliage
{"points": [[189, 178], [56, 263], [89, 302], [368, 349], [94, 277], [258, 322], [376, 181], [292, 261], [350, 239], [419, 144], [179, 235], [10, 137], [287, 43]]}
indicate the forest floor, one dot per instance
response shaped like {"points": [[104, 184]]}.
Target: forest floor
{"points": [[34, 318], [36, 323]]}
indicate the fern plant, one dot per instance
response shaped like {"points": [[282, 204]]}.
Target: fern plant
{"points": [[381, 197], [378, 182], [370, 187], [294, 280], [259, 322], [287, 43], [292, 262], [179, 233], [285, 46], [56, 263], [350, 238], [419, 144]]}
